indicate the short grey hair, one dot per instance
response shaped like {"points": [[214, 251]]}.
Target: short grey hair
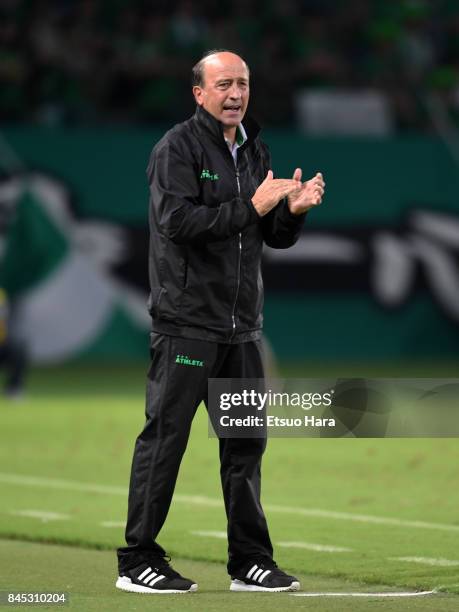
{"points": [[197, 72]]}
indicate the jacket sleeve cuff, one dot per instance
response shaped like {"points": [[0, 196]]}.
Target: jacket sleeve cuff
{"points": [[254, 216], [287, 216]]}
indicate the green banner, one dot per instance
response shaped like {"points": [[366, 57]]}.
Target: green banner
{"points": [[374, 276]]}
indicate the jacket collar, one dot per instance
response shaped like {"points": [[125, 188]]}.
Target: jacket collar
{"points": [[215, 128]]}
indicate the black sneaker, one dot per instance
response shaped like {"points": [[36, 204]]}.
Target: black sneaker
{"points": [[154, 576], [264, 576]]}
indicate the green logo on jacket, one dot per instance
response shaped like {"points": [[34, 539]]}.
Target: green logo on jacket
{"points": [[187, 361], [207, 174]]}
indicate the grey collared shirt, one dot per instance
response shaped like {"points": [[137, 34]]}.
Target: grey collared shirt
{"points": [[241, 137]]}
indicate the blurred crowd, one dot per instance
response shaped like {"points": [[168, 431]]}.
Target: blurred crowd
{"points": [[93, 61]]}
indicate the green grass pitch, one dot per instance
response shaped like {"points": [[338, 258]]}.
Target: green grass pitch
{"points": [[346, 515]]}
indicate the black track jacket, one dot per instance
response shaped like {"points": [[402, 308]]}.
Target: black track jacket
{"points": [[206, 237]]}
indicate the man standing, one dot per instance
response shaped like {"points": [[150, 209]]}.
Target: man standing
{"points": [[214, 202]]}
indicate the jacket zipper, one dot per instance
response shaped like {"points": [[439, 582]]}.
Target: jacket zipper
{"points": [[233, 316]]}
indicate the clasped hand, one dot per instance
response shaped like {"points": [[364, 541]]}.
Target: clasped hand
{"points": [[301, 196]]}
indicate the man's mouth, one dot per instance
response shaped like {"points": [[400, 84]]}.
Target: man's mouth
{"points": [[233, 108]]}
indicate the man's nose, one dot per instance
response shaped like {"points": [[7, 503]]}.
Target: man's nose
{"points": [[235, 92]]}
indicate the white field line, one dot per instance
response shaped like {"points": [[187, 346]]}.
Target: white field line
{"points": [[66, 485], [210, 534], [331, 549], [41, 515], [315, 547], [200, 500], [403, 594], [427, 561], [110, 524], [306, 545], [360, 518]]}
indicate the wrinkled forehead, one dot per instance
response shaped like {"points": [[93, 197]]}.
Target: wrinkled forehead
{"points": [[217, 68]]}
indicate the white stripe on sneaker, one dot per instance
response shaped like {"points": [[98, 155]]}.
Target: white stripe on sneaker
{"points": [[263, 576], [144, 573], [251, 570], [157, 579], [147, 579], [257, 573]]}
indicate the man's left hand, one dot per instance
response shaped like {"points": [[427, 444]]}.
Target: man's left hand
{"points": [[310, 194]]}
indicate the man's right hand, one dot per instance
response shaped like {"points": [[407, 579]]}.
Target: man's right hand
{"points": [[271, 191]]}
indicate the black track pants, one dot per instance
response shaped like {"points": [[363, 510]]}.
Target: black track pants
{"points": [[174, 391]]}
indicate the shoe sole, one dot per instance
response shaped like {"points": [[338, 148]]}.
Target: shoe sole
{"points": [[242, 587], [125, 584]]}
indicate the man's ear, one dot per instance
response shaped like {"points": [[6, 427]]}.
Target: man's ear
{"points": [[198, 94]]}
